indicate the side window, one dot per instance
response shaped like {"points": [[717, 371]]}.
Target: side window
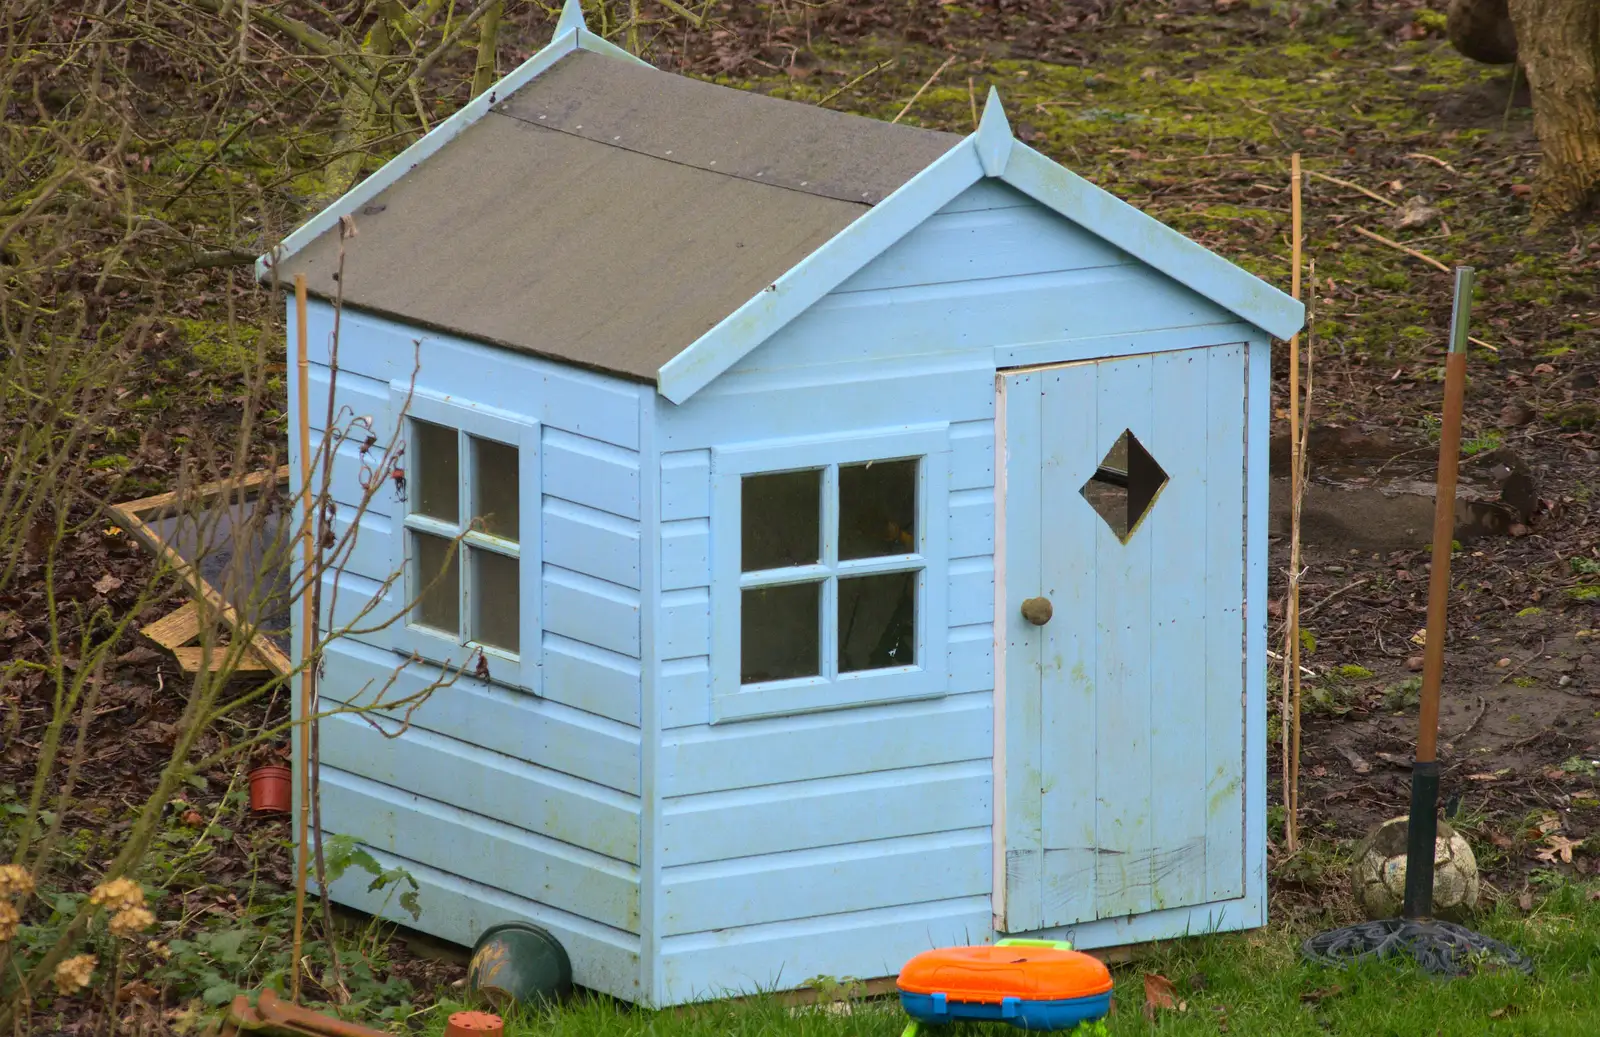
{"points": [[837, 589], [468, 554]]}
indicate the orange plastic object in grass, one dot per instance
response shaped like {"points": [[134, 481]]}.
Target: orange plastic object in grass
{"points": [[474, 1024], [990, 974]]}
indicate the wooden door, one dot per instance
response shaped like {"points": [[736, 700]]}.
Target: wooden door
{"points": [[1123, 713]]}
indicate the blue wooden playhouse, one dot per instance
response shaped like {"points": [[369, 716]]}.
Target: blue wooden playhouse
{"points": [[873, 540]]}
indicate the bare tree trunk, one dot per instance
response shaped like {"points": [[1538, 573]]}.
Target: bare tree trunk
{"points": [[483, 77], [1558, 42]]}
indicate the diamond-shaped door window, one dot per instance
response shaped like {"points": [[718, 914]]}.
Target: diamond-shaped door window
{"points": [[1124, 485]]}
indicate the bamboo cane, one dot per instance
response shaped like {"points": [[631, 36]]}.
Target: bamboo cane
{"points": [[1290, 691], [305, 632]]}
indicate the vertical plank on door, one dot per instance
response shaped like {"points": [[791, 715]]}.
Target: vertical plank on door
{"points": [[1067, 652], [1123, 836], [1176, 527], [1224, 635], [1023, 855]]}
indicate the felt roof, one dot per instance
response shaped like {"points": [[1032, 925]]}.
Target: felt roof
{"points": [[607, 214]]}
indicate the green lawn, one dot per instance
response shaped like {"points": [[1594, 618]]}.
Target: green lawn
{"points": [[1237, 984]]}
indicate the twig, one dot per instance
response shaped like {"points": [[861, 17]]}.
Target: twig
{"points": [[445, 46], [1304, 670], [1507, 675], [875, 68], [1483, 707], [1485, 345], [1375, 196], [306, 706], [972, 95], [1511, 96], [696, 20], [1435, 161], [1327, 598], [1413, 253], [924, 87]]}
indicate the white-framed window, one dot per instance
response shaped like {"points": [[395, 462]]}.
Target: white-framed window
{"points": [[830, 572], [466, 538]]}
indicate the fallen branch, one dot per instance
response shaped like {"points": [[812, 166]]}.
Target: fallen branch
{"points": [[1413, 253], [210, 261], [1375, 196]]}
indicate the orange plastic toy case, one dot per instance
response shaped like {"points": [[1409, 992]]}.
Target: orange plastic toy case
{"points": [[1030, 971]]}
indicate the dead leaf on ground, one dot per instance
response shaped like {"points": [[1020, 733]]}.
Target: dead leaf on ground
{"points": [[1502, 1012], [1558, 846], [106, 584], [137, 990], [1311, 997], [1159, 994], [1416, 212], [1516, 413], [1525, 900]]}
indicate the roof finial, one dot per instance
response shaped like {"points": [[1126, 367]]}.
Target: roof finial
{"points": [[571, 17], [994, 136]]}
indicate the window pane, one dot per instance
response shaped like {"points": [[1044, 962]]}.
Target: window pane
{"points": [[438, 581], [494, 489], [495, 600], [877, 621], [782, 636], [782, 520], [877, 509], [437, 478], [1124, 485]]}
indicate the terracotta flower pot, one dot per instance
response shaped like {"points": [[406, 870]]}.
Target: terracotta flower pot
{"points": [[474, 1024], [270, 790]]}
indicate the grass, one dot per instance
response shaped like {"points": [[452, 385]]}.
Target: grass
{"points": [[1241, 984]]}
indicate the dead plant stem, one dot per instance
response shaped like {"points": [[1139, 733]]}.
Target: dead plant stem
{"points": [[1289, 688], [951, 60]]}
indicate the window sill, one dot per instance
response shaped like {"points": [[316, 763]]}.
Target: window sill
{"points": [[816, 695]]}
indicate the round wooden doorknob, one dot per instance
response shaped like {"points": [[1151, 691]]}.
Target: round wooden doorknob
{"points": [[1037, 611]]}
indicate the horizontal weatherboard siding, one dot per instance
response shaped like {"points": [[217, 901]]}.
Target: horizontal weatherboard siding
{"points": [[779, 955], [591, 405], [482, 782], [585, 540], [823, 745], [517, 724], [481, 849], [860, 876], [458, 909], [589, 472], [825, 812]]}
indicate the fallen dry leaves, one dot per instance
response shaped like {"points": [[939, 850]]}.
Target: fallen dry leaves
{"points": [[1160, 995], [1558, 846]]}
